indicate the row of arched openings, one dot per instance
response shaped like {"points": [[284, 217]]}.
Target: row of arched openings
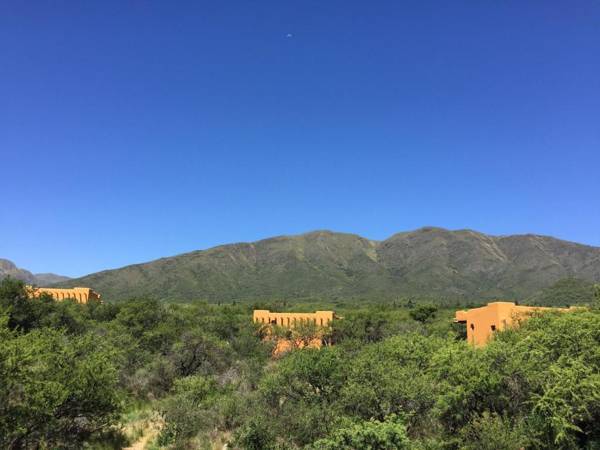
{"points": [[80, 297]]}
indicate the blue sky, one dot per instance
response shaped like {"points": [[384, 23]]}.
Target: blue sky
{"points": [[135, 130]]}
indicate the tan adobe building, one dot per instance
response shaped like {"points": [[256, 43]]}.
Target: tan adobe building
{"points": [[79, 294], [483, 322], [293, 338], [289, 320]]}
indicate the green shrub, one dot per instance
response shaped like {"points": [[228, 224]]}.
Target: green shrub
{"points": [[55, 390], [189, 409], [368, 435], [423, 313]]}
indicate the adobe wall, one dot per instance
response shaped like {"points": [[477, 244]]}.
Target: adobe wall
{"points": [[79, 294], [483, 322], [289, 320]]}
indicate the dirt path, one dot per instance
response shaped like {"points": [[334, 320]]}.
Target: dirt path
{"points": [[150, 432], [142, 442]]}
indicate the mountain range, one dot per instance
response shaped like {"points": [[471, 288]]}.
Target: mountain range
{"points": [[431, 262], [9, 269]]}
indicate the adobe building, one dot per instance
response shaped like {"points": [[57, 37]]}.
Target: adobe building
{"points": [[79, 294], [289, 320], [483, 322], [282, 344]]}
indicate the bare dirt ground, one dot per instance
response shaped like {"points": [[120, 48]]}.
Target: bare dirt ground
{"points": [[150, 430]]}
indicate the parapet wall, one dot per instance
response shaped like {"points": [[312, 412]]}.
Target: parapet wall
{"points": [[79, 294], [289, 320]]}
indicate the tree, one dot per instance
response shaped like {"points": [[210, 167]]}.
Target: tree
{"points": [[197, 352], [149, 322], [369, 435], [256, 434], [23, 313], [188, 410], [302, 393], [56, 390], [364, 326], [26, 313], [390, 377], [494, 432], [423, 313]]}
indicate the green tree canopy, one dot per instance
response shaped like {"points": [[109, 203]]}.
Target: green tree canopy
{"points": [[55, 389]]}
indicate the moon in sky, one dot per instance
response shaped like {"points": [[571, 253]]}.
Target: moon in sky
{"points": [[289, 35]]}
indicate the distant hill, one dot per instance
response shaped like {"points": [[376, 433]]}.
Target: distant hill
{"points": [[9, 269], [47, 279], [430, 261]]}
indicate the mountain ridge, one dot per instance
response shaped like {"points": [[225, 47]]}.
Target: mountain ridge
{"points": [[429, 261], [9, 268]]}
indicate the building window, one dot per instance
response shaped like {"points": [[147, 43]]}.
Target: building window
{"points": [[493, 327], [472, 326]]}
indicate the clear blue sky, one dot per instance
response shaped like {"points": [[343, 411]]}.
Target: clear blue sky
{"points": [[131, 130]]}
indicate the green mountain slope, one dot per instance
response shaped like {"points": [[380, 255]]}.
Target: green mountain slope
{"points": [[427, 262], [565, 292]]}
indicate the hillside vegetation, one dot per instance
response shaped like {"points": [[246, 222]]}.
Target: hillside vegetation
{"points": [[429, 262], [198, 376]]}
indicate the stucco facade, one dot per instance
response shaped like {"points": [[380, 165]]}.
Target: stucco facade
{"points": [[294, 337], [483, 322], [289, 320], [80, 294]]}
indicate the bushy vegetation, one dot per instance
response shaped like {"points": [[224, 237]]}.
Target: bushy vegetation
{"points": [[398, 376], [565, 292], [70, 372]]}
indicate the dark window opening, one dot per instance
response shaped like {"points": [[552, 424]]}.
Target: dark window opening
{"points": [[472, 326], [493, 327]]}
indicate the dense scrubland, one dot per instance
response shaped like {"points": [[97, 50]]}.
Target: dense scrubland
{"points": [[192, 376]]}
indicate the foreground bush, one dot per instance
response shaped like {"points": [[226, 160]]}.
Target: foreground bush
{"points": [[369, 435], [204, 369], [56, 390], [534, 387]]}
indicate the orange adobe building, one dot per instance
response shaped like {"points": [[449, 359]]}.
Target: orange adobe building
{"points": [[289, 320], [483, 322], [79, 294]]}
